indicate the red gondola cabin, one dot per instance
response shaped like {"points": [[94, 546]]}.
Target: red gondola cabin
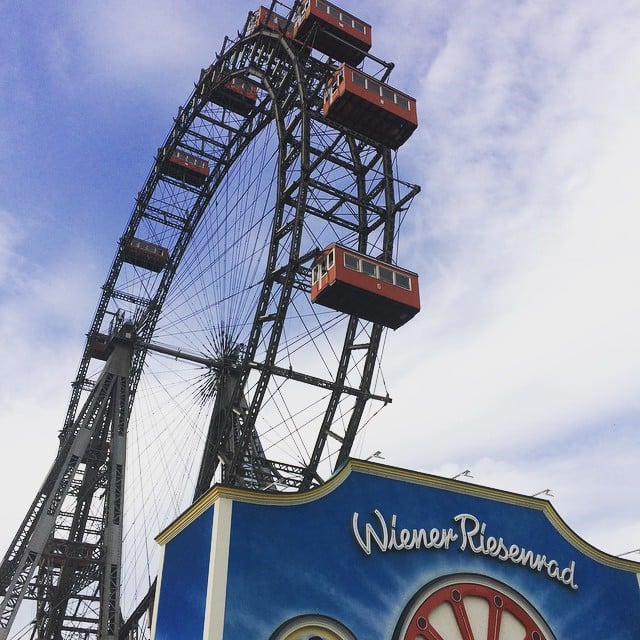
{"points": [[356, 284], [100, 346], [145, 254], [367, 106], [338, 34], [262, 17], [184, 166], [238, 94]]}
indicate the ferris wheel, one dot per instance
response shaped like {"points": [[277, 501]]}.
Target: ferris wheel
{"points": [[208, 355]]}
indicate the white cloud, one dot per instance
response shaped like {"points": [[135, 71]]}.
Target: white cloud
{"points": [[9, 234], [151, 42], [524, 237], [43, 317], [600, 510]]}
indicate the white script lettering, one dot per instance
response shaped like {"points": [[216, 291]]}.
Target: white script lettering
{"points": [[389, 538], [385, 534]]}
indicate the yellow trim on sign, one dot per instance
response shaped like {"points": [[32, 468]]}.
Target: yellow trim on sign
{"points": [[249, 496], [404, 475]]}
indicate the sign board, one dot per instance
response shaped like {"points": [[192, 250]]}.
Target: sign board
{"points": [[384, 553]]}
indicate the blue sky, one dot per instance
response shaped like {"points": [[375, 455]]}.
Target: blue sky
{"points": [[524, 364]]}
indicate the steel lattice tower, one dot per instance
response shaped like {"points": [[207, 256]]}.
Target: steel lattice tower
{"points": [[71, 538]]}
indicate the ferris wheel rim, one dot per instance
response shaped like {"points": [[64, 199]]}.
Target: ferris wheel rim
{"points": [[149, 323]]}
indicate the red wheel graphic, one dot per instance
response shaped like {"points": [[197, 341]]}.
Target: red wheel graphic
{"points": [[471, 608]]}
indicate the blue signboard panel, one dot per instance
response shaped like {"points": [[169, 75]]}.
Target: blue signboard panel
{"points": [[384, 553], [182, 592]]}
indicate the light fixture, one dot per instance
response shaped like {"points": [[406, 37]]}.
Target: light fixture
{"points": [[544, 492]]}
